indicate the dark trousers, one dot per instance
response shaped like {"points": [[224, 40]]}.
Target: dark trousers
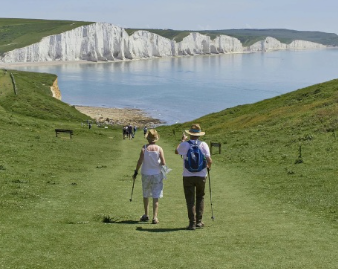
{"points": [[194, 187]]}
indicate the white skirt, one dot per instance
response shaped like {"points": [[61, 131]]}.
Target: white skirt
{"points": [[152, 186]]}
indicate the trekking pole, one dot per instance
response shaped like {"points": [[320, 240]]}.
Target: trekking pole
{"points": [[132, 189], [212, 211]]}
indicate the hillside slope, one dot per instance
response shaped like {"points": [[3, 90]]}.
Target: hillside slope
{"points": [[33, 97], [286, 147]]}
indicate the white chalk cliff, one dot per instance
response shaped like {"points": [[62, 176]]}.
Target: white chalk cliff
{"points": [[106, 42], [271, 44]]}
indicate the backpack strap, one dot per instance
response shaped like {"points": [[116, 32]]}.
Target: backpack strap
{"points": [[198, 142]]}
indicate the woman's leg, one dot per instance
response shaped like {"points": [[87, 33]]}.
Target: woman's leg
{"points": [[146, 206], [155, 208]]}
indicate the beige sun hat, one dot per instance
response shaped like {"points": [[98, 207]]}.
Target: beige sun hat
{"points": [[195, 130], [152, 135]]}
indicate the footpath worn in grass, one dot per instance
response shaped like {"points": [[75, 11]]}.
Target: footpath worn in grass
{"points": [[70, 209], [64, 203]]}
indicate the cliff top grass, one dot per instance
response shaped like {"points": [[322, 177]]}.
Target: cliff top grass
{"points": [[251, 36], [18, 33], [64, 202], [167, 33]]}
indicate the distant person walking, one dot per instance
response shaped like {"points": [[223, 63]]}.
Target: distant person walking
{"points": [[130, 131], [145, 129], [151, 158], [125, 132], [194, 181]]}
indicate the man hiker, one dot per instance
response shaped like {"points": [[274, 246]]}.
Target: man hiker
{"points": [[196, 161]]}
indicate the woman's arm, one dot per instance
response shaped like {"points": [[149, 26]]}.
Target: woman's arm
{"points": [[162, 156], [139, 163]]}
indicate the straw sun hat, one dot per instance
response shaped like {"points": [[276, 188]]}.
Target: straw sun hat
{"points": [[195, 130], [152, 135]]}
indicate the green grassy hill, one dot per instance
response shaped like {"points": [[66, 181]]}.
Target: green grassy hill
{"points": [[33, 97], [64, 202], [286, 147], [18, 33]]}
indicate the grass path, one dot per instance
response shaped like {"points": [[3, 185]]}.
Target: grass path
{"points": [[66, 229]]}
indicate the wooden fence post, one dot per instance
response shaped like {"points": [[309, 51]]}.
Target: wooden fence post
{"points": [[218, 145], [14, 85]]}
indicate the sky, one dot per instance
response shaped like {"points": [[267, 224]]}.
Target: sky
{"points": [[301, 15]]}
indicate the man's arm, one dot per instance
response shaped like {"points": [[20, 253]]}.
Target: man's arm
{"points": [[209, 162], [184, 138], [207, 155]]}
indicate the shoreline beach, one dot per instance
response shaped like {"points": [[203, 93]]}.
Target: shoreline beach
{"points": [[119, 116]]}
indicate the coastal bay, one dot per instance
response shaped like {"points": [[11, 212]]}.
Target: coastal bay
{"points": [[186, 88]]}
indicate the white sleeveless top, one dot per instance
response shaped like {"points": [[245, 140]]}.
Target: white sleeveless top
{"points": [[151, 162]]}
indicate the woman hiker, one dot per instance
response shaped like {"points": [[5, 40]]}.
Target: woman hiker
{"points": [[151, 159]]}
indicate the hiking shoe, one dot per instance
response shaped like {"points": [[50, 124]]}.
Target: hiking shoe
{"points": [[192, 226], [155, 221], [199, 224], [144, 218]]}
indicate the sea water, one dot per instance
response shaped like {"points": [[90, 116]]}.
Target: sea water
{"points": [[182, 89]]}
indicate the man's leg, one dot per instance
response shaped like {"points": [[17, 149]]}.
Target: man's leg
{"points": [[189, 192], [200, 188]]}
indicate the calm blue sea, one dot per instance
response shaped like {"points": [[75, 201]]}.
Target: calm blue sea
{"points": [[185, 88]]}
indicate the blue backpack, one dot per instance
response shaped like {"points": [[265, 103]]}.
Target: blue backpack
{"points": [[195, 160]]}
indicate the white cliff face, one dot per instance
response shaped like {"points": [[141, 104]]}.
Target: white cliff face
{"points": [[196, 43], [301, 44], [268, 44], [193, 44], [106, 42], [271, 44], [226, 44], [95, 42], [143, 44]]}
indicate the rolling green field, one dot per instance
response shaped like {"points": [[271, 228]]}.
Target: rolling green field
{"points": [[64, 203]]}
